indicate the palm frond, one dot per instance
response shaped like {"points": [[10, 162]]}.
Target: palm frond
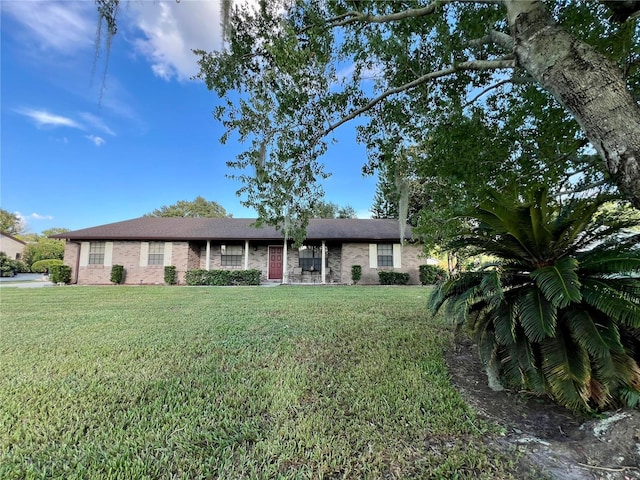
{"points": [[559, 282], [605, 370], [599, 262], [538, 316], [539, 215], [629, 287], [598, 336], [490, 287], [569, 225], [451, 288], [497, 245], [504, 324], [627, 370], [599, 236], [520, 366], [567, 370], [601, 296], [630, 397], [599, 393]]}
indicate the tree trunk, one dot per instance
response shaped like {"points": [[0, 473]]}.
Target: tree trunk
{"points": [[587, 84]]}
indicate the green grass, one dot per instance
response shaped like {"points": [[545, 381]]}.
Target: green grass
{"points": [[291, 383]]}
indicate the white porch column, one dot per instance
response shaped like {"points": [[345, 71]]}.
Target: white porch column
{"points": [[324, 269], [208, 256], [246, 254], [285, 269]]}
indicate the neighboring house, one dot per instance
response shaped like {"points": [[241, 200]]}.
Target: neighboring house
{"points": [[11, 246], [145, 245]]}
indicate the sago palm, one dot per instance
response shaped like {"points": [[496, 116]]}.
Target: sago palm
{"points": [[559, 312]]}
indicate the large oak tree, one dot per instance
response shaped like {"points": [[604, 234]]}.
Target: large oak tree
{"points": [[554, 76]]}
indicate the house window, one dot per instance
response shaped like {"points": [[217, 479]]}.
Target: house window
{"points": [[310, 258], [385, 255], [156, 253], [96, 253], [231, 255]]}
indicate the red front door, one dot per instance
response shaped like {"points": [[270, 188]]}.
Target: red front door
{"points": [[275, 263]]}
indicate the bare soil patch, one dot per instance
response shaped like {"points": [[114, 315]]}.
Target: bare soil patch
{"points": [[548, 440]]}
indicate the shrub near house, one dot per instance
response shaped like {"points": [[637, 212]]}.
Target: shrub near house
{"points": [[44, 266], [559, 312], [7, 266]]}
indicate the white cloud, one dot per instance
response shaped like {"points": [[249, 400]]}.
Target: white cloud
{"points": [[34, 216], [96, 140], [171, 30], [42, 118], [66, 27], [37, 216], [96, 122]]}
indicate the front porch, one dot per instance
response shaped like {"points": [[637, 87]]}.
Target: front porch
{"points": [[312, 264]]}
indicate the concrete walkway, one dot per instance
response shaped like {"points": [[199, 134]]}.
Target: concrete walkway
{"points": [[26, 280]]}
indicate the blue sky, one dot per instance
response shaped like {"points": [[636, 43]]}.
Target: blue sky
{"points": [[72, 157]]}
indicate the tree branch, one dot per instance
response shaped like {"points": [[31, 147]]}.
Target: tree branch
{"points": [[359, 17], [463, 66], [501, 39], [496, 85]]}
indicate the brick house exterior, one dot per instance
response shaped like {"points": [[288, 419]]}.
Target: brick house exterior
{"points": [[144, 246]]}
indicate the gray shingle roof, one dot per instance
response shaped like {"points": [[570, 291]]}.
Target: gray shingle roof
{"points": [[226, 229]]}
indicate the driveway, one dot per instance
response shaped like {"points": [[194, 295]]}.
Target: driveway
{"points": [[26, 280]]}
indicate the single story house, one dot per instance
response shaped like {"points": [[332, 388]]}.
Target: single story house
{"points": [[145, 245], [12, 246]]}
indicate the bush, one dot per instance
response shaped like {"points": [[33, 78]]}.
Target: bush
{"points": [[222, 277], [245, 277], [60, 274], [356, 273], [170, 275], [556, 312], [21, 267], [7, 266], [393, 278], [43, 249], [117, 274], [42, 266], [431, 274]]}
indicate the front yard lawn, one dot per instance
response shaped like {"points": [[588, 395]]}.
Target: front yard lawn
{"points": [[231, 383]]}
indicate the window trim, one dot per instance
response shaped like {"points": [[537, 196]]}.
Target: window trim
{"points": [[395, 256], [312, 263], [155, 254], [231, 259], [96, 253], [385, 259]]}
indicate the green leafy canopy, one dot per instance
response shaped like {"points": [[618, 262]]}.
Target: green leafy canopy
{"points": [[438, 78]]}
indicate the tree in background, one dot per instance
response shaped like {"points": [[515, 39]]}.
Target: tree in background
{"points": [[10, 223], [323, 209], [198, 207], [386, 201], [40, 247]]}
